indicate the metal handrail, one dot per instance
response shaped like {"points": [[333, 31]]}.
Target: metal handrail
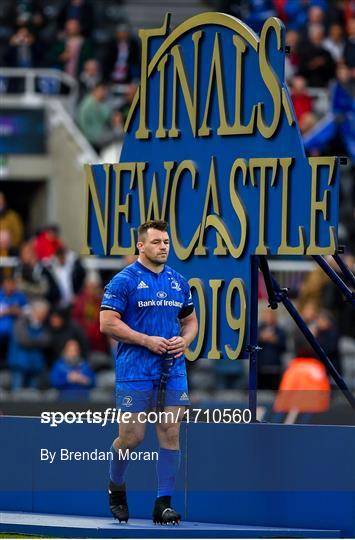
{"points": [[30, 75]]}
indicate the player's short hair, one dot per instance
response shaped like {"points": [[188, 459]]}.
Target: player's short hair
{"points": [[158, 224]]}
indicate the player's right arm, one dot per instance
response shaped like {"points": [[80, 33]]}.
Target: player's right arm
{"points": [[114, 303], [112, 325]]}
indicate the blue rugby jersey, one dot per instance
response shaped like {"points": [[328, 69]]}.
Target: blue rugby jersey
{"points": [[149, 303]]}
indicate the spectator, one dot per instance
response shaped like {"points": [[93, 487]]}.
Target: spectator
{"points": [[62, 329], [78, 10], [334, 43], [6, 250], [71, 373], [272, 340], [121, 60], [303, 104], [349, 48], [65, 275], [47, 241], [328, 338], [86, 312], [70, 53], [292, 60], [29, 274], [28, 343], [9, 219], [316, 63], [89, 77], [316, 18], [338, 128], [342, 311], [94, 117], [12, 303], [309, 313], [24, 51], [304, 388], [311, 290]]}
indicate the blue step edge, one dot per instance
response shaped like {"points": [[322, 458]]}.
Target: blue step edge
{"points": [[67, 526]]}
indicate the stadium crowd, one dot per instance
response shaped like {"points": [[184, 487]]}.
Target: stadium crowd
{"points": [[49, 303], [92, 42], [49, 311]]}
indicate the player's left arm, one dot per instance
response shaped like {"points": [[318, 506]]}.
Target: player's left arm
{"points": [[189, 328]]}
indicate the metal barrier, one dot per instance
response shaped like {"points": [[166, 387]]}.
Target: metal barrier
{"points": [[41, 82]]}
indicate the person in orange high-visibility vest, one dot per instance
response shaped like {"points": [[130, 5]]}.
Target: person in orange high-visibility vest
{"points": [[304, 387]]}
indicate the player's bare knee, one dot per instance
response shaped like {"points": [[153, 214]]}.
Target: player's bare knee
{"points": [[130, 440], [130, 436], [169, 432]]}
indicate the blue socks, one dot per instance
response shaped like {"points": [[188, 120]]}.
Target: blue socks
{"points": [[167, 467], [118, 467]]}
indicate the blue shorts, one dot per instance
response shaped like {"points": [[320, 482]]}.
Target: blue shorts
{"points": [[137, 396]]}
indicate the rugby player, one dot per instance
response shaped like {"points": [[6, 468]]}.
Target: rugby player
{"points": [[148, 309]]}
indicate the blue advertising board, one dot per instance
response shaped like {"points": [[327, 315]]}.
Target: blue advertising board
{"points": [[213, 147], [22, 131]]}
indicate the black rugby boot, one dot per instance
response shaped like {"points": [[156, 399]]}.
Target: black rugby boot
{"points": [[163, 513], [118, 501]]}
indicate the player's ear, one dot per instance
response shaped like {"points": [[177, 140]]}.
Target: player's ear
{"points": [[140, 246]]}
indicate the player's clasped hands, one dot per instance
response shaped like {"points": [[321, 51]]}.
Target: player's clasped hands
{"points": [[159, 345], [177, 346]]}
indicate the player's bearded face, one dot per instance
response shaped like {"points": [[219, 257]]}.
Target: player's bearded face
{"points": [[156, 246]]}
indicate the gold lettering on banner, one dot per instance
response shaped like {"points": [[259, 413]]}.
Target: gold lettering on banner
{"points": [[238, 323], [242, 38], [263, 164], [239, 164], [197, 284], [216, 74], [122, 208], [102, 217], [238, 128], [321, 206], [153, 211], [191, 101], [198, 21], [284, 248], [211, 197], [214, 353], [181, 252], [145, 35], [270, 79], [161, 132]]}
